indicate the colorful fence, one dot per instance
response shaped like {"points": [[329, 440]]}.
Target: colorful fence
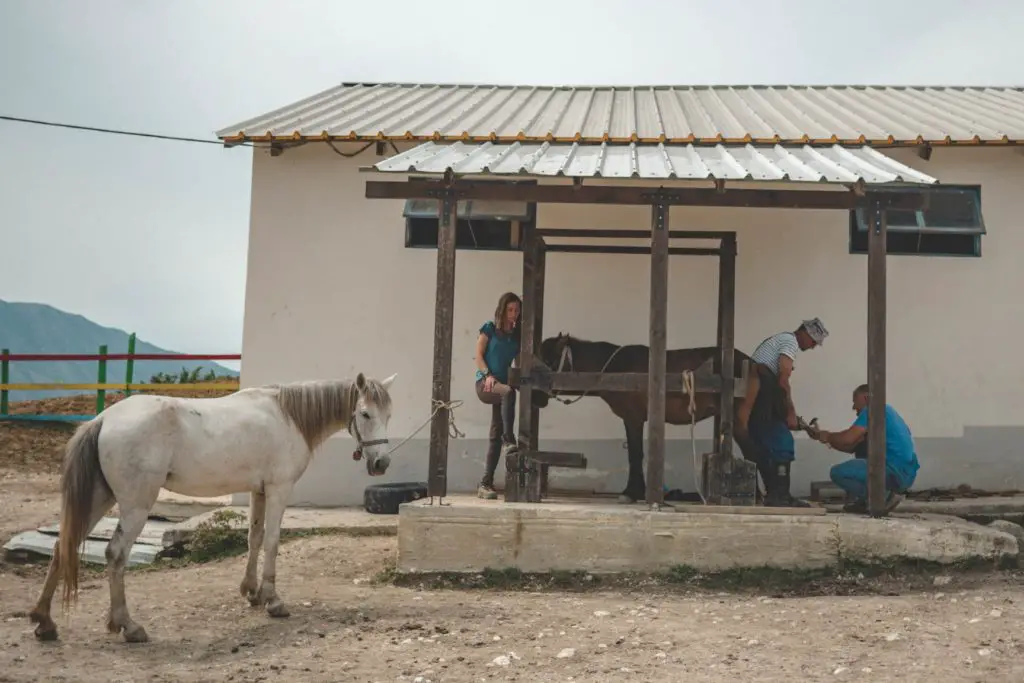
{"points": [[101, 386]]}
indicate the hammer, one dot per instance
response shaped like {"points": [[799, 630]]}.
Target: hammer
{"points": [[810, 427]]}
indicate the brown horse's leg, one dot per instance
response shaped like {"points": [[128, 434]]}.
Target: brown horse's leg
{"points": [[636, 485]]}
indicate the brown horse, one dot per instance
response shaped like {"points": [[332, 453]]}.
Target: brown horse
{"points": [[570, 354]]}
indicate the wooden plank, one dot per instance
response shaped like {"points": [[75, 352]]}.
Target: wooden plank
{"points": [[444, 319], [559, 459], [910, 199], [616, 381], [696, 508], [634, 234], [877, 228], [657, 358], [727, 331], [618, 249]]}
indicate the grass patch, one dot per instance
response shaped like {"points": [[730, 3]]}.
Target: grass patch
{"points": [[224, 534]]}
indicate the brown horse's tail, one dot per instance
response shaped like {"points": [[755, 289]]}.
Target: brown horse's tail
{"points": [[81, 478]]}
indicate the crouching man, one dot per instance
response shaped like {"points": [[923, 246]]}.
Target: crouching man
{"points": [[901, 463]]}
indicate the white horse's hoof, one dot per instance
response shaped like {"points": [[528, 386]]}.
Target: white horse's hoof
{"points": [[135, 634], [278, 610]]}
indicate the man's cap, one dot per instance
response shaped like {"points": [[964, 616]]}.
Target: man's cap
{"points": [[816, 329]]}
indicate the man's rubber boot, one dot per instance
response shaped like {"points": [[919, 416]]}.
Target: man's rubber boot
{"points": [[779, 495]]}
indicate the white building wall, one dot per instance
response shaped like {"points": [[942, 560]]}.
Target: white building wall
{"points": [[332, 291]]}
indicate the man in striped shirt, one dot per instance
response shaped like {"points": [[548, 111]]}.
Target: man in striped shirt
{"points": [[768, 416]]}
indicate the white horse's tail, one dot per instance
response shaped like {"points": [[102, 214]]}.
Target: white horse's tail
{"points": [[81, 477]]}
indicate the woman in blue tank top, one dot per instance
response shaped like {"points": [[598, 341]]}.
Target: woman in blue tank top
{"points": [[496, 348]]}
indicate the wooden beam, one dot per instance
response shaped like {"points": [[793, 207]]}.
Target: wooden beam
{"points": [[618, 249], [726, 342], [547, 380], [877, 228], [559, 459], [657, 358], [910, 199], [600, 233], [444, 318]]}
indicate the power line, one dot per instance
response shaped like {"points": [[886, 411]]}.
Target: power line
{"points": [[114, 131]]}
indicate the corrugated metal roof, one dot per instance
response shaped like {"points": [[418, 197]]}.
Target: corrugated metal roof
{"points": [[877, 115], [834, 164]]}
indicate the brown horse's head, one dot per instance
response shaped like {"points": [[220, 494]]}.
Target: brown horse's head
{"points": [[553, 349], [551, 352]]}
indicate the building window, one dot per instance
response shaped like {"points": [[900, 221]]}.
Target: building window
{"points": [[951, 226], [483, 224]]}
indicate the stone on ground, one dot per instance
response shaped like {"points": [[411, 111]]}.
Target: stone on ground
{"points": [[1015, 530]]}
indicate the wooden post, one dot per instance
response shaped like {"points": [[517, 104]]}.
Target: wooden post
{"points": [[101, 378], [726, 342], [657, 362], [877, 228], [519, 488], [444, 319], [536, 477], [129, 365], [5, 378]]}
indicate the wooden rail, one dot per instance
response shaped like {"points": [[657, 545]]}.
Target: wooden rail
{"points": [[102, 385]]}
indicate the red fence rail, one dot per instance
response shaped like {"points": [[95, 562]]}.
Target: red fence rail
{"points": [[101, 386]]}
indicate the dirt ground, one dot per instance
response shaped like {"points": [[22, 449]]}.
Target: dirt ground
{"points": [[344, 627]]}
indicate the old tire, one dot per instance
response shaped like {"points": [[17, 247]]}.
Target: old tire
{"points": [[384, 499]]}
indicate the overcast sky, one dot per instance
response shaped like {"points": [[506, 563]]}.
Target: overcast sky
{"points": [[150, 236]]}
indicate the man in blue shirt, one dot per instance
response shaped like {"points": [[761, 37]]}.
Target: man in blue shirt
{"points": [[901, 463]]}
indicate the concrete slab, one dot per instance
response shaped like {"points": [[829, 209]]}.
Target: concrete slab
{"points": [[351, 520], [995, 506], [919, 536], [470, 535]]}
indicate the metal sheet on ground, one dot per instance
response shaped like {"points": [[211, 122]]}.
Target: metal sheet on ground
{"points": [[41, 542], [29, 543], [152, 533]]}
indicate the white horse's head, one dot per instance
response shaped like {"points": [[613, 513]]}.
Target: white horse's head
{"points": [[369, 423]]}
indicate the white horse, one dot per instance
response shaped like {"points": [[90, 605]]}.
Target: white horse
{"points": [[258, 440]]}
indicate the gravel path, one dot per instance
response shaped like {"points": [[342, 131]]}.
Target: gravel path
{"points": [[345, 628]]}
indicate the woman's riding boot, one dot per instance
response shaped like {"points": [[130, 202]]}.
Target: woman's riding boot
{"points": [[486, 488]]}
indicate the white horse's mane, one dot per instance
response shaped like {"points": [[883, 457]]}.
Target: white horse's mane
{"points": [[321, 407]]}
